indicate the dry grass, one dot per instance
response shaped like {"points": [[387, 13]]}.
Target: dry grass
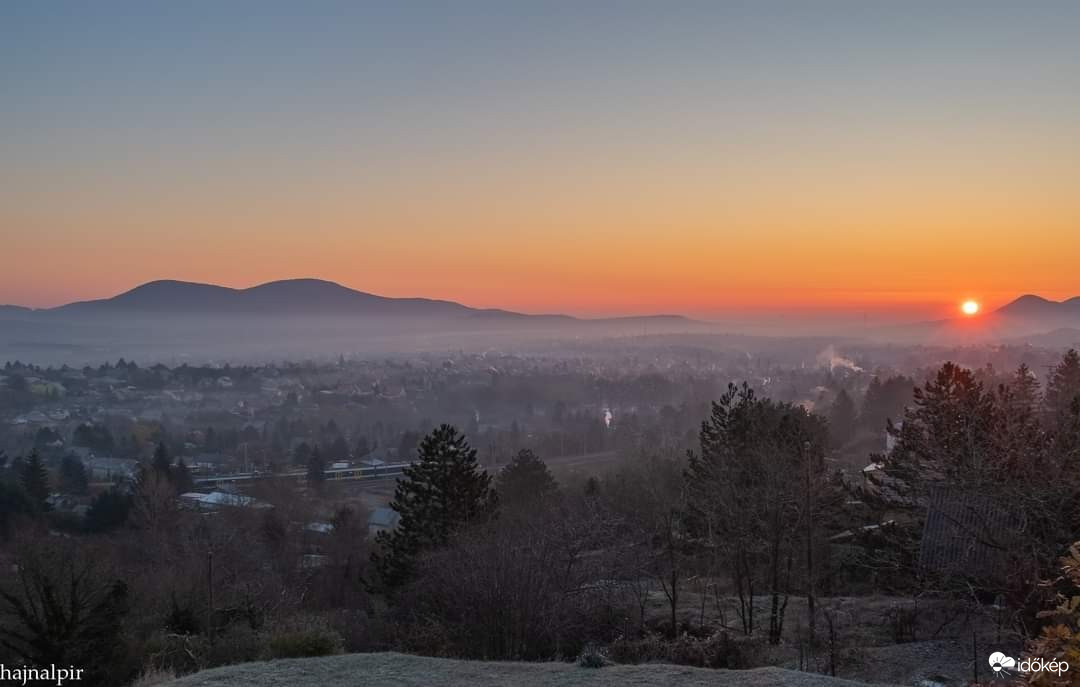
{"points": [[400, 670]]}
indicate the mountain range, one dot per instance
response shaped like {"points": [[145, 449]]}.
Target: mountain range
{"points": [[293, 297], [307, 314]]}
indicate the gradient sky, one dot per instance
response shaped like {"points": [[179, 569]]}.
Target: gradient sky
{"points": [[585, 157]]}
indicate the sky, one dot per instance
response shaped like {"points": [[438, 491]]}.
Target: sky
{"points": [[593, 158]]}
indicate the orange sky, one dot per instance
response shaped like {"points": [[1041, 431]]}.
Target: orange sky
{"points": [[694, 164]]}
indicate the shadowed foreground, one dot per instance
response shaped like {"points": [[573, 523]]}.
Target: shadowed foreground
{"points": [[400, 670]]}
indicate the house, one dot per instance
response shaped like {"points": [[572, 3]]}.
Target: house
{"points": [[319, 527], [103, 469], [217, 500]]}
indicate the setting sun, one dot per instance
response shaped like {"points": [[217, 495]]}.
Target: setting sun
{"points": [[970, 307]]}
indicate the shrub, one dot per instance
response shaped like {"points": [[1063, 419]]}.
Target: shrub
{"points": [[152, 677], [719, 650], [592, 657], [305, 637], [1060, 637]]}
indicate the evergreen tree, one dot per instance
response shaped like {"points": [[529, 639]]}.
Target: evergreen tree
{"points": [[440, 493], [1025, 390], [108, 511], [526, 482], [13, 504], [362, 447], [73, 479], [302, 453], [316, 467], [885, 401], [181, 477], [35, 481], [339, 450], [1062, 390], [162, 463], [949, 432], [842, 418]]}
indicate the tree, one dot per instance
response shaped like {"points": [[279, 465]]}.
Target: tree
{"points": [[362, 446], [966, 448], [842, 418], [34, 480], [885, 401], [316, 469], [14, 503], [64, 611], [748, 491], [302, 453], [1062, 389], [1025, 390], [181, 477], [162, 464], [73, 479], [94, 437], [525, 482], [649, 499], [440, 493], [339, 450], [108, 511]]}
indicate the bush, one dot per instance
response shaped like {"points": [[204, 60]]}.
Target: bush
{"points": [[153, 677], [1060, 637], [305, 637], [592, 657], [719, 650]]}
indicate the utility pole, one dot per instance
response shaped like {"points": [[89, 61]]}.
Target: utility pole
{"points": [[809, 543], [210, 595]]}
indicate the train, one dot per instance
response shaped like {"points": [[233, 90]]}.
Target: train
{"points": [[342, 474]]}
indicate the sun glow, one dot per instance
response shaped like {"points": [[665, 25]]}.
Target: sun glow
{"points": [[969, 307]]}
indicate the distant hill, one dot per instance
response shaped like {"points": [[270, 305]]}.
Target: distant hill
{"points": [[288, 297], [14, 310], [307, 297], [1031, 306], [1028, 319], [295, 318]]}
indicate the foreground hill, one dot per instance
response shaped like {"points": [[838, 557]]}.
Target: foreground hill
{"points": [[400, 670]]}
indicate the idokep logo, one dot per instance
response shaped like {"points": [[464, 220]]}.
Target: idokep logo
{"points": [[1002, 665]]}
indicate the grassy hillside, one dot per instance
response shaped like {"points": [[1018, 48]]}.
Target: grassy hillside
{"points": [[400, 670]]}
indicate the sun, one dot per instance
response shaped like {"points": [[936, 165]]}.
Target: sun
{"points": [[969, 307]]}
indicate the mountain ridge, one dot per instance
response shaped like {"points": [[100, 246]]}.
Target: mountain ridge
{"points": [[300, 296]]}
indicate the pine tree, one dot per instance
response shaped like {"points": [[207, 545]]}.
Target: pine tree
{"points": [[181, 477], [526, 482], [842, 418], [162, 464], [316, 469], [108, 511], [442, 492], [73, 479], [35, 481], [1063, 390]]}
